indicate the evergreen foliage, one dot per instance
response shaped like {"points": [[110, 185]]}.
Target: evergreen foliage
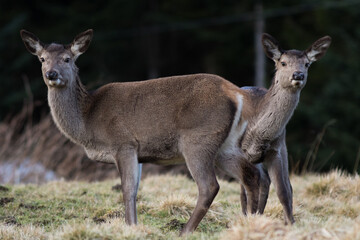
{"points": [[137, 40]]}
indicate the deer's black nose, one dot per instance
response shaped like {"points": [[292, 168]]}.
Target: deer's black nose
{"points": [[51, 75], [298, 76]]}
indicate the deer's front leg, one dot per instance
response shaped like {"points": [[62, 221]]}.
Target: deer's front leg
{"points": [[129, 169], [279, 175]]}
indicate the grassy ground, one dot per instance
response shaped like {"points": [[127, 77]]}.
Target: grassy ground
{"points": [[325, 207]]}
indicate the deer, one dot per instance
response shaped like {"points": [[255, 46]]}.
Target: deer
{"points": [[192, 119], [269, 111], [200, 120]]}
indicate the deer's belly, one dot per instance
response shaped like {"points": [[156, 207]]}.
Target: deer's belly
{"points": [[162, 161], [104, 156]]}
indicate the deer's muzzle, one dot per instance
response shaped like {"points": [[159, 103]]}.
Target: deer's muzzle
{"points": [[298, 79], [53, 79], [51, 75], [298, 76]]}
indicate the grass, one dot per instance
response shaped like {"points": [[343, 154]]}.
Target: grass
{"points": [[325, 207]]}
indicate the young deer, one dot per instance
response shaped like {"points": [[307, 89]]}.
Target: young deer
{"points": [[196, 119], [268, 112]]}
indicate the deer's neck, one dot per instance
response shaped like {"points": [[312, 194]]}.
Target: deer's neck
{"points": [[278, 106], [68, 108]]}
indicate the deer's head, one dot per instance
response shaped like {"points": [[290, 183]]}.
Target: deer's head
{"points": [[292, 65], [58, 60]]}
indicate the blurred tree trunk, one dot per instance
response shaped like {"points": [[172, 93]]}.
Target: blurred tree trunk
{"points": [[153, 55], [153, 47], [259, 54]]}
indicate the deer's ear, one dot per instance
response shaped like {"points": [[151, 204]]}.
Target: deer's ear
{"points": [[271, 47], [81, 42], [318, 48], [32, 43]]}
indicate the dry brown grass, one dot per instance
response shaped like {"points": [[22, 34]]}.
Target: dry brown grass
{"points": [[113, 230], [325, 206]]}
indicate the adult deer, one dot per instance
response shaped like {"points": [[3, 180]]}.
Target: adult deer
{"points": [[196, 119], [268, 113]]}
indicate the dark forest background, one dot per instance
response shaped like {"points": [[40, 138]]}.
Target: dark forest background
{"points": [[138, 40]]}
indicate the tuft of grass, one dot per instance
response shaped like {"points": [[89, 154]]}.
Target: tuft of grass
{"points": [[28, 232], [176, 205], [257, 227], [325, 207], [112, 230], [336, 185]]}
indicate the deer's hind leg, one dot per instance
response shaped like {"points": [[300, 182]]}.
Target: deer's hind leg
{"points": [[200, 162], [249, 176], [264, 188], [263, 192], [243, 199]]}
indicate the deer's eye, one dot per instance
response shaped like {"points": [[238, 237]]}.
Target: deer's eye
{"points": [[307, 65], [283, 64], [42, 59], [67, 60]]}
